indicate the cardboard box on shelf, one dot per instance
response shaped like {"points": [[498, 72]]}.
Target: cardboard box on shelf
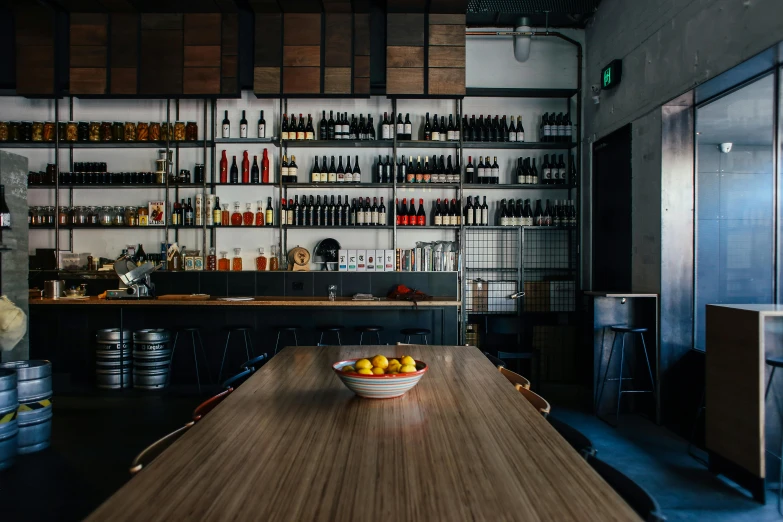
{"points": [[536, 296], [477, 296]]}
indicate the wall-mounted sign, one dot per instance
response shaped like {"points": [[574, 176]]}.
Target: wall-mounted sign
{"points": [[612, 74]]}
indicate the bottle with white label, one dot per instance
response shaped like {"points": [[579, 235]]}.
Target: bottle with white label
{"points": [[385, 127], [293, 169], [226, 126], [481, 173], [243, 126], [348, 176], [407, 130], [495, 171], [315, 175], [400, 127], [520, 130], [357, 174], [284, 170], [484, 212], [262, 126]]}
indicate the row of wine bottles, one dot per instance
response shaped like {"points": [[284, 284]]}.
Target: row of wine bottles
{"points": [[555, 128], [328, 213], [517, 213], [553, 172], [243, 127]]}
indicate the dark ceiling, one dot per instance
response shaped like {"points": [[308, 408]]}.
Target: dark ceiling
{"points": [[561, 13]]}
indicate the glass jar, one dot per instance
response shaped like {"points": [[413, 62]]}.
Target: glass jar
{"points": [[154, 131], [32, 214], [105, 216], [191, 131], [223, 263], [179, 132], [63, 216], [119, 216], [142, 131], [14, 131], [92, 216], [71, 131], [37, 131], [130, 131], [117, 131], [236, 216], [142, 214], [26, 133], [50, 215], [236, 263], [83, 131], [48, 131], [81, 216], [130, 217], [95, 131], [106, 134], [166, 132], [3, 131], [62, 130]]}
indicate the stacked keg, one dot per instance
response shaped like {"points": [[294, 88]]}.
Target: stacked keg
{"points": [[151, 358], [113, 365], [34, 390], [9, 427]]}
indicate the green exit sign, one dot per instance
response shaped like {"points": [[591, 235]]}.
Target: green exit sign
{"points": [[611, 74]]}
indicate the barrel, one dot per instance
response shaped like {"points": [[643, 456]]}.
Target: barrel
{"points": [[151, 358], [33, 379], [107, 359], [35, 426], [8, 395], [9, 431]]}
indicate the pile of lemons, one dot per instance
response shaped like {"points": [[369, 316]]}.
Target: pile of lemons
{"points": [[380, 365]]}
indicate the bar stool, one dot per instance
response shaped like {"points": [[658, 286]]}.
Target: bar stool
{"points": [[245, 330], [194, 332], [421, 332], [623, 330], [369, 329], [286, 328], [336, 328], [775, 363]]}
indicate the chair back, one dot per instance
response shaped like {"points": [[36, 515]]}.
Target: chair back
{"points": [[209, 404], [254, 363], [236, 380], [494, 360], [635, 495], [574, 437], [514, 378], [535, 399], [149, 453]]}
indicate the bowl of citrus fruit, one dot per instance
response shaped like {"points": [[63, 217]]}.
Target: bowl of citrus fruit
{"points": [[380, 377]]}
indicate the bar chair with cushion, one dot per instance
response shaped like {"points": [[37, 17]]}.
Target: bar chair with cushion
{"points": [[210, 404], [324, 329], [775, 363], [245, 331], [255, 363], [535, 399], [194, 333], [369, 329], [149, 453], [574, 437], [635, 495], [293, 328], [514, 378], [421, 332], [236, 380]]}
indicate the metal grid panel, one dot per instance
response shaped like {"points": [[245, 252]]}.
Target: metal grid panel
{"points": [[492, 269], [533, 6], [549, 264]]}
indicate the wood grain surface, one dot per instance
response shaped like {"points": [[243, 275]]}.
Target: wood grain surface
{"points": [[258, 301], [293, 443]]}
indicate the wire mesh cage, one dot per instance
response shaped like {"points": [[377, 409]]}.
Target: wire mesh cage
{"points": [[493, 261], [549, 272]]}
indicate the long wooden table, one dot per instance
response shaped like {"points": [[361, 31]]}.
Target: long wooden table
{"points": [[292, 443]]}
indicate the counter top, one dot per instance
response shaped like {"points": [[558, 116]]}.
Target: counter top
{"points": [[617, 294], [764, 309], [271, 301]]}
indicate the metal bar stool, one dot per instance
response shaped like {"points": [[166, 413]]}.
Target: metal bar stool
{"points": [[623, 330], [775, 363], [369, 329], [194, 332], [336, 328], [421, 332], [245, 330], [286, 328]]}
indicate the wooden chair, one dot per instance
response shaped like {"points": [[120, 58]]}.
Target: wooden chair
{"points": [[635, 495], [514, 378], [494, 360], [210, 404], [156, 448], [254, 363], [236, 380], [535, 399]]}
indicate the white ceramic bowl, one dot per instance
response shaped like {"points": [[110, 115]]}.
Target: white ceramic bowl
{"points": [[379, 386]]}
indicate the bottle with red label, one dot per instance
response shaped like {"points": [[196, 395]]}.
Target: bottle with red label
{"points": [[245, 168], [421, 216], [265, 168], [224, 168], [403, 214]]}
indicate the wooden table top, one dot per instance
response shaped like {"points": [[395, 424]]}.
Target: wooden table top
{"points": [[293, 443], [273, 301]]}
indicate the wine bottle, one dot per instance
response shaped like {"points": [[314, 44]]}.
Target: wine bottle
{"points": [[370, 128], [401, 170], [226, 126], [455, 217], [284, 128], [269, 213], [348, 177], [520, 172], [223, 168], [495, 172], [374, 212], [245, 168], [527, 215], [443, 129], [427, 172], [520, 130], [340, 170], [385, 128], [504, 128], [481, 172], [352, 131], [469, 172], [387, 171], [352, 214], [547, 222], [243, 126], [568, 129], [563, 178], [512, 131], [344, 213], [265, 168], [402, 214], [255, 175], [323, 128], [468, 212], [501, 214], [309, 129], [293, 171], [538, 216], [315, 174], [346, 127], [533, 176], [421, 215], [284, 170], [435, 134], [368, 212], [262, 126], [234, 172], [427, 129], [546, 169], [379, 170], [300, 129], [357, 174], [484, 213], [400, 130], [450, 129], [332, 173], [437, 217], [407, 132]]}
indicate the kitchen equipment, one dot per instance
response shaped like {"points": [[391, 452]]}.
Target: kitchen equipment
{"points": [[299, 259], [135, 279], [54, 289]]}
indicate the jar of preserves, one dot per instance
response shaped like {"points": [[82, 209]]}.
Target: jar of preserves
{"points": [[106, 134], [92, 216], [71, 131], [130, 131], [27, 131], [191, 131], [80, 216], [105, 216], [62, 130], [83, 131], [142, 215], [14, 131], [48, 131], [179, 131], [142, 131], [166, 132], [3, 131], [95, 131], [117, 131], [131, 218], [154, 131], [49, 215], [32, 214], [37, 131], [119, 216], [63, 216]]}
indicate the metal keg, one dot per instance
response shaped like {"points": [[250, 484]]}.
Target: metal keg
{"points": [[8, 395], [33, 379], [35, 426], [151, 358], [108, 372], [9, 437]]}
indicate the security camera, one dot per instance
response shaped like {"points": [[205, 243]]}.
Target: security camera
{"points": [[725, 147], [596, 93]]}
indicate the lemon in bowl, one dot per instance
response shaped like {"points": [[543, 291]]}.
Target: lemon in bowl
{"points": [[387, 379]]}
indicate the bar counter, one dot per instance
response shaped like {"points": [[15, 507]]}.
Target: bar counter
{"points": [[271, 301]]}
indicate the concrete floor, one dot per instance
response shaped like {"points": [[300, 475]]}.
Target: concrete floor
{"points": [[95, 436]]}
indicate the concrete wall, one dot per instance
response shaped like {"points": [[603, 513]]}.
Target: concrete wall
{"points": [[13, 175]]}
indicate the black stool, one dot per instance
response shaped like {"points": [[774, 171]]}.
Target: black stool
{"points": [[421, 332], [248, 343], [194, 332], [369, 329], [336, 328], [623, 330], [775, 363], [288, 328]]}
